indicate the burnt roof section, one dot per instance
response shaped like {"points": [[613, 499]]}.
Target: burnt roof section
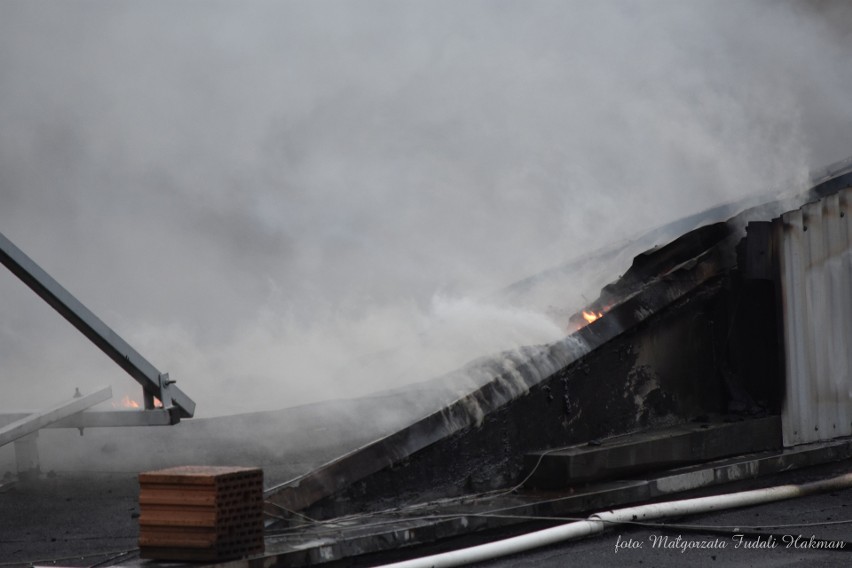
{"points": [[656, 279]]}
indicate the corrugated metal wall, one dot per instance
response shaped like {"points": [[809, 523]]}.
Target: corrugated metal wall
{"points": [[814, 251]]}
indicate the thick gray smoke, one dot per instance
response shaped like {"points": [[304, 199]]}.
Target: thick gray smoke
{"points": [[281, 202]]}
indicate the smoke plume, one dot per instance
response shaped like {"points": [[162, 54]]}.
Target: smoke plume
{"points": [[285, 202]]}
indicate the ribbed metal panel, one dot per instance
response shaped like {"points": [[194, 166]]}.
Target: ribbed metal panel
{"points": [[814, 248]]}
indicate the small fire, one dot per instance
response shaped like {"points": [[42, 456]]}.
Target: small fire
{"points": [[591, 316], [126, 402]]}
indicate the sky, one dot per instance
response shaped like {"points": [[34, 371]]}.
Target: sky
{"points": [[285, 202]]}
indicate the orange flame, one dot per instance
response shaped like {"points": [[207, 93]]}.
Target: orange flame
{"points": [[126, 402], [591, 316]]}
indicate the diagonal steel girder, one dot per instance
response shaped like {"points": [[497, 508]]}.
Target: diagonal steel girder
{"points": [[154, 383]]}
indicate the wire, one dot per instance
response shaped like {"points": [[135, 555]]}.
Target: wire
{"points": [[755, 527], [498, 513], [499, 493], [113, 553], [678, 526], [401, 509], [109, 561], [289, 511], [492, 513]]}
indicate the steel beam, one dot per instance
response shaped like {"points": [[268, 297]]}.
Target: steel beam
{"points": [[39, 420], [154, 383], [103, 419]]}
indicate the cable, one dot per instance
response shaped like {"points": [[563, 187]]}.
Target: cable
{"points": [[752, 527], [500, 513], [113, 553], [474, 497], [496, 513], [467, 497], [677, 526], [597, 523], [109, 561], [289, 511]]}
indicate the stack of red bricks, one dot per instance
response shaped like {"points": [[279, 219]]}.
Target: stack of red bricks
{"points": [[201, 513]]}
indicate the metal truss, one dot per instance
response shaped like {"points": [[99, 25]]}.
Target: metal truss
{"points": [[175, 404]]}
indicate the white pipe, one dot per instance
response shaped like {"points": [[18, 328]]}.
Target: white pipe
{"points": [[598, 522]]}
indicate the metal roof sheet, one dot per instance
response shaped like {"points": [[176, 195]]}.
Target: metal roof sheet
{"points": [[815, 268]]}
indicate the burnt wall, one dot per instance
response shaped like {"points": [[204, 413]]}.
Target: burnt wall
{"points": [[674, 367]]}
